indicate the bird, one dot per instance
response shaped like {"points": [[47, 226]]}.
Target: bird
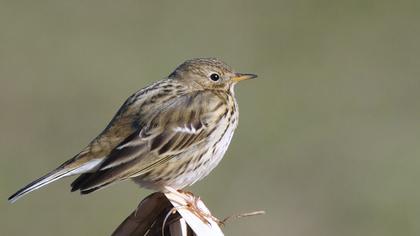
{"points": [[167, 135]]}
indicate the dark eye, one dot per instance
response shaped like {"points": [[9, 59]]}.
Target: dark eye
{"points": [[214, 77]]}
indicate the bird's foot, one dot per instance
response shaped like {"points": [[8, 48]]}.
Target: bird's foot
{"points": [[196, 206]]}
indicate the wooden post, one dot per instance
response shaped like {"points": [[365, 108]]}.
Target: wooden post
{"points": [[172, 214]]}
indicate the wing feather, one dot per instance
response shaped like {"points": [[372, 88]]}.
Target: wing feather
{"points": [[175, 129]]}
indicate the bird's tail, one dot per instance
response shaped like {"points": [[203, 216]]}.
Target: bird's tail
{"points": [[71, 167], [44, 180]]}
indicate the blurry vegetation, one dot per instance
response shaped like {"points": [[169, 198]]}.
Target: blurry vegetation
{"points": [[328, 140]]}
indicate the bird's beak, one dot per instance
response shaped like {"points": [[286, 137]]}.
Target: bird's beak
{"points": [[239, 77]]}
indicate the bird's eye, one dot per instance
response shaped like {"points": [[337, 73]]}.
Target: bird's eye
{"points": [[214, 77]]}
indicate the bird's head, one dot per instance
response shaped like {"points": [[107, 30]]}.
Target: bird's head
{"points": [[209, 73]]}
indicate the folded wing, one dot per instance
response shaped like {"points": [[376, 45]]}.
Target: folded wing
{"points": [[177, 127]]}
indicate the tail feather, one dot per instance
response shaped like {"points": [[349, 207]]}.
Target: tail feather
{"points": [[68, 168], [44, 180]]}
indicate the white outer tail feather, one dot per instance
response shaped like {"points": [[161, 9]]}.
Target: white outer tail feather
{"points": [[44, 180], [53, 176]]}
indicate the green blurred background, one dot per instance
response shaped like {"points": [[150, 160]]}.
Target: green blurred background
{"points": [[328, 140]]}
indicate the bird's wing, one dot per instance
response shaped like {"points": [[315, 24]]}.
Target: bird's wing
{"points": [[118, 129], [176, 127], [123, 124]]}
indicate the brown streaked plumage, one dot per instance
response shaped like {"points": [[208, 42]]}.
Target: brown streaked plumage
{"points": [[169, 134]]}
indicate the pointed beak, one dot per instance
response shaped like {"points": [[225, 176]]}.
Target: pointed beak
{"points": [[239, 77]]}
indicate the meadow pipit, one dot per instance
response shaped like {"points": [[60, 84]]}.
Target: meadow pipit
{"points": [[167, 135]]}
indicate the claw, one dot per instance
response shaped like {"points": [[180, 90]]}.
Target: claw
{"points": [[193, 204]]}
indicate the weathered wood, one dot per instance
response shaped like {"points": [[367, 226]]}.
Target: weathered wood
{"points": [[149, 217]]}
